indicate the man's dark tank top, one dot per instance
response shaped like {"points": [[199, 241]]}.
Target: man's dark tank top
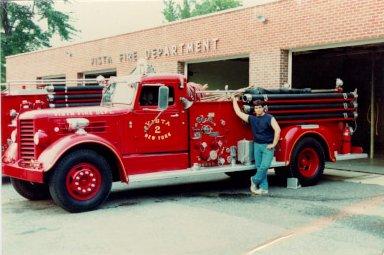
{"points": [[261, 128]]}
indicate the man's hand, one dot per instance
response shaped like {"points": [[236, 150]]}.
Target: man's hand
{"points": [[270, 146], [238, 112]]}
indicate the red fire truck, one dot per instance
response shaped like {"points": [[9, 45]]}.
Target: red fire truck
{"points": [[159, 126]]}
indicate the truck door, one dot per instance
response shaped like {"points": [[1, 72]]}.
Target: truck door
{"points": [[158, 132]]}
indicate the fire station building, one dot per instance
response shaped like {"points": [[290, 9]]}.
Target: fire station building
{"points": [[304, 43]]}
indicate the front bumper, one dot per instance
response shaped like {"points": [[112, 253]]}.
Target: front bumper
{"points": [[23, 173]]}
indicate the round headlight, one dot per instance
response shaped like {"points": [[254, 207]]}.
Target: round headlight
{"points": [[14, 135], [76, 123], [39, 135]]}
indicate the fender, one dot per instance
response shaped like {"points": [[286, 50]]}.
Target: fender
{"points": [[293, 134], [52, 153]]}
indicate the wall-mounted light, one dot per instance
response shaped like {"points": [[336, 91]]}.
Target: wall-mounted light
{"points": [[262, 19]]}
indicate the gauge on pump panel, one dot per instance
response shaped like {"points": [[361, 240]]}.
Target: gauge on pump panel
{"points": [[200, 119], [207, 129]]}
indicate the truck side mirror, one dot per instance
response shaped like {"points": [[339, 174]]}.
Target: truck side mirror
{"points": [[163, 97]]}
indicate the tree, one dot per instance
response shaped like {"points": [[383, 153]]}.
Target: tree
{"points": [[210, 6], [191, 8], [22, 29], [185, 10], [170, 10]]}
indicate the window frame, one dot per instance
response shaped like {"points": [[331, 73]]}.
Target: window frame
{"points": [[158, 85]]}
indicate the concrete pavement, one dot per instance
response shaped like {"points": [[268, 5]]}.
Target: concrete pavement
{"points": [[343, 214]]}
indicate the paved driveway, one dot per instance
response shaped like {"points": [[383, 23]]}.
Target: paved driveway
{"points": [[344, 214]]}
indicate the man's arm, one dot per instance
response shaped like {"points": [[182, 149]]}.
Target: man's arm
{"points": [[277, 130], [238, 112]]}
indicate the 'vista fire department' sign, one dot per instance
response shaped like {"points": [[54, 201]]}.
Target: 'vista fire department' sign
{"points": [[196, 47], [157, 130]]}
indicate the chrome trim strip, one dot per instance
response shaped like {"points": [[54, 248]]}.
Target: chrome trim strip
{"points": [[310, 126], [351, 156], [194, 171]]}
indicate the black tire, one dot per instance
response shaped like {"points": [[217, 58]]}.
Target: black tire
{"points": [[61, 192], [30, 190], [282, 172], [311, 151], [281, 175], [239, 175]]}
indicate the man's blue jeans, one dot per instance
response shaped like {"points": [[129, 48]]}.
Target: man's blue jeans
{"points": [[263, 160]]}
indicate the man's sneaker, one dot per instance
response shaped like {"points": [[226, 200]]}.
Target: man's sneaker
{"points": [[253, 187], [260, 192]]}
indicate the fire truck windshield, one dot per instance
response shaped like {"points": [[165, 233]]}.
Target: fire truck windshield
{"points": [[119, 93]]}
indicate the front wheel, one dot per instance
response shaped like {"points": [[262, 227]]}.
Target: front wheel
{"points": [[307, 161], [30, 190], [81, 181]]}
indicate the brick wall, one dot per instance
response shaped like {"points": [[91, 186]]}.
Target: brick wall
{"points": [[283, 67], [264, 68], [290, 24], [180, 67]]}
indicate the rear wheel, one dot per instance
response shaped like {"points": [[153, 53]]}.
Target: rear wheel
{"points": [[81, 181], [30, 190], [307, 161]]}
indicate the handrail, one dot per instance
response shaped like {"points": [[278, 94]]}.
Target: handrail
{"points": [[42, 84], [51, 81], [216, 91]]}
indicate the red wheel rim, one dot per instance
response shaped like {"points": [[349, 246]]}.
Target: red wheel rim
{"points": [[308, 162], [83, 181]]}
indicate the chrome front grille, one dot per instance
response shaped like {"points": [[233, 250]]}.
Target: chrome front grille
{"points": [[27, 146]]}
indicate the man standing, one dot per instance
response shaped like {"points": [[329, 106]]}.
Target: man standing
{"points": [[266, 134]]}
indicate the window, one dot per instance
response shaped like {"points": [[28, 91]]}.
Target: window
{"points": [[94, 74], [55, 80], [119, 93], [150, 95]]}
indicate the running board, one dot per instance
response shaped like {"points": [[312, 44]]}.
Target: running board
{"points": [[195, 171], [351, 156]]}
